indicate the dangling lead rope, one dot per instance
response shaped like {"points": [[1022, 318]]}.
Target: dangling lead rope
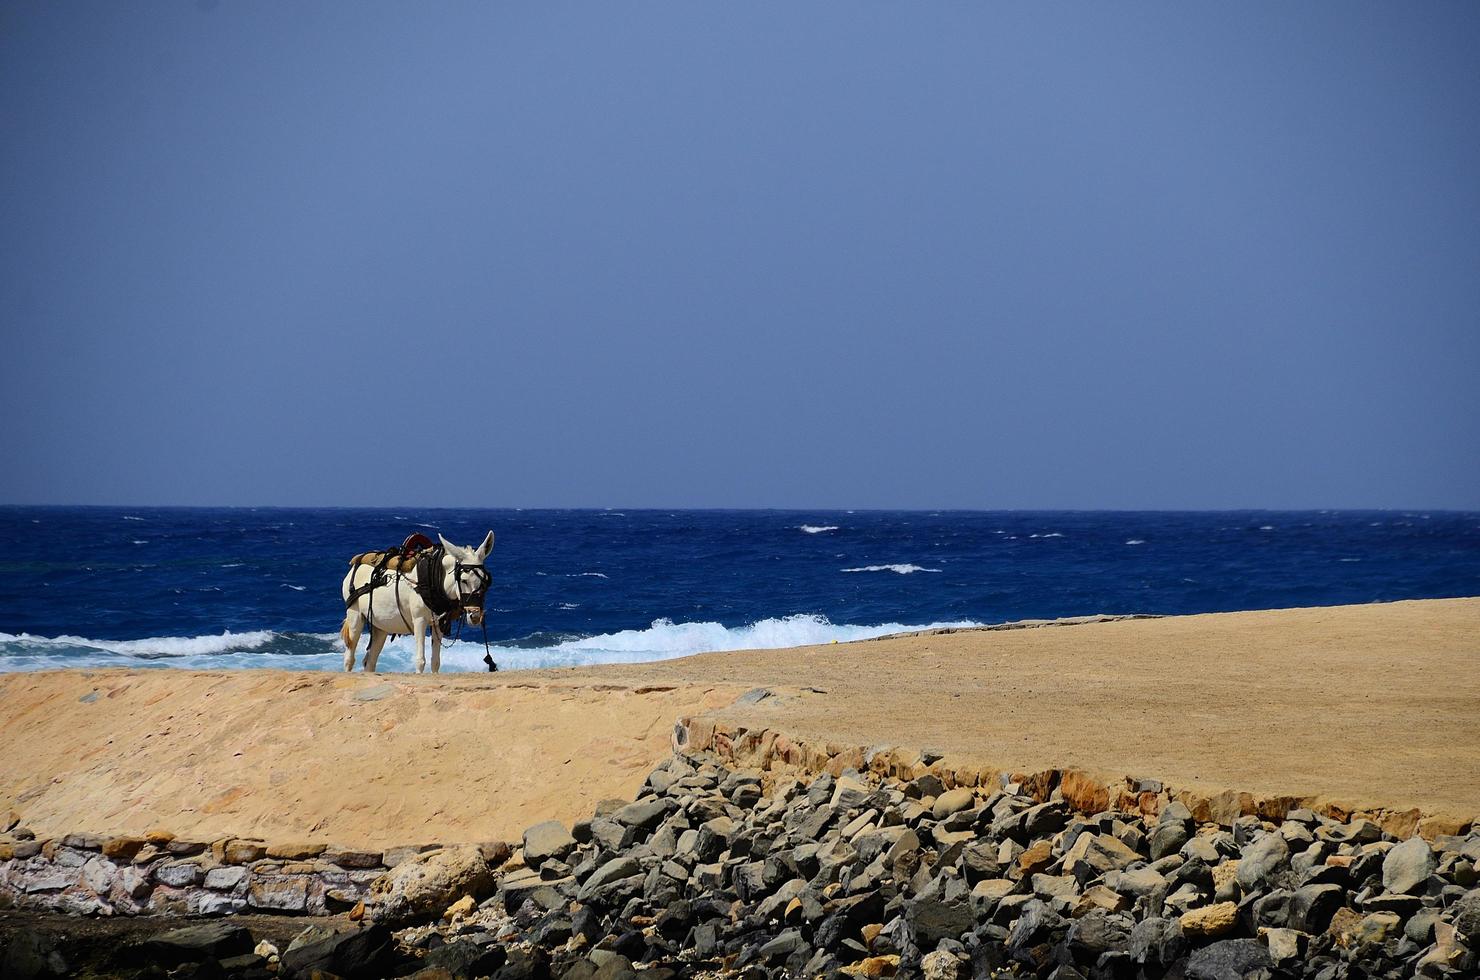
{"points": [[487, 653]]}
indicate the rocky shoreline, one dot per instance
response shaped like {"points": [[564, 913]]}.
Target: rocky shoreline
{"points": [[716, 870]]}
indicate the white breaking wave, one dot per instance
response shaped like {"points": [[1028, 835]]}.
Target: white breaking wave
{"points": [[897, 569], [663, 640], [587, 575], [65, 649], [1135, 541], [817, 528], [1051, 534]]}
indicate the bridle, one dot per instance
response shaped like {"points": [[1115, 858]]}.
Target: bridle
{"points": [[473, 599]]}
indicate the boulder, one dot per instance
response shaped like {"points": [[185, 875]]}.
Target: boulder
{"points": [[1096, 854], [951, 802], [1313, 906], [644, 814], [123, 848], [345, 858], [1407, 866], [1157, 940], [940, 965], [282, 893], [547, 840], [243, 851], [1467, 917], [420, 888], [1231, 959], [1260, 859], [1214, 920], [941, 911], [225, 879], [467, 959], [192, 944], [367, 952], [1285, 946]]}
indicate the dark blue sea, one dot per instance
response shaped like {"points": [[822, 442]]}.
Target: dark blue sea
{"points": [[211, 588]]}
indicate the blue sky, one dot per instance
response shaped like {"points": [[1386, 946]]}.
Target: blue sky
{"points": [[850, 255]]}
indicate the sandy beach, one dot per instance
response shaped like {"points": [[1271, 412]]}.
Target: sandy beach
{"points": [[1372, 705]]}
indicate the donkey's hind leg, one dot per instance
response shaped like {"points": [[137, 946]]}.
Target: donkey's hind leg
{"points": [[354, 624], [372, 652]]}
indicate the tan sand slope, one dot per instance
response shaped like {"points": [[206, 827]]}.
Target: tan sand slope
{"points": [[351, 759], [1376, 705]]}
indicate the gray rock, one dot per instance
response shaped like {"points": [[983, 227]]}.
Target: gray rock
{"points": [[614, 870], [1407, 866], [283, 893], [848, 793], [225, 879], [942, 911], [547, 840], [1312, 907], [1230, 959], [465, 958], [1096, 932], [645, 814], [195, 943], [1467, 917], [365, 952], [1260, 859], [177, 875], [1168, 838]]}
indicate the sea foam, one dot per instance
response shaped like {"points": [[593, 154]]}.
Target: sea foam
{"points": [[896, 569], [663, 640]]}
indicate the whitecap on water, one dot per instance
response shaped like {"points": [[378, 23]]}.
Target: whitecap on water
{"points": [[1135, 541], [897, 569], [817, 528]]}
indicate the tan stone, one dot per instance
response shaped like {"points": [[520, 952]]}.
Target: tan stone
{"points": [[295, 851], [1343, 927], [1083, 792], [1442, 825], [874, 966], [123, 848], [871, 932], [243, 852], [462, 906], [1035, 858], [1224, 873], [1402, 824], [1100, 897], [158, 837], [7, 850], [1215, 920]]}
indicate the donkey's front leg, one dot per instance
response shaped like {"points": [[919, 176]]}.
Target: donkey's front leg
{"points": [[419, 627], [436, 649]]}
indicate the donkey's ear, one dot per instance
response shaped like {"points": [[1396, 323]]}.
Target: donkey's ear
{"points": [[485, 547], [448, 546]]}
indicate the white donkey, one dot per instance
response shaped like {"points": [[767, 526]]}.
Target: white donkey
{"points": [[398, 603]]}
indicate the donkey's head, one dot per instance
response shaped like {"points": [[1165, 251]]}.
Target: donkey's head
{"points": [[464, 578]]}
